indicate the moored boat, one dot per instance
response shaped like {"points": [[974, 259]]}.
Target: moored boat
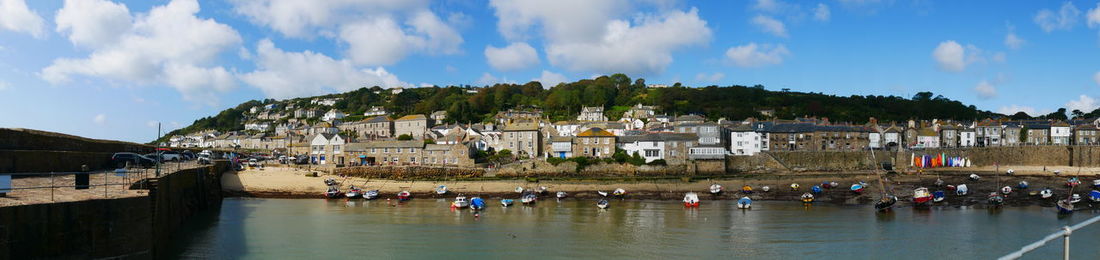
{"points": [[794, 186], [460, 202], [543, 190], [561, 195], [1022, 185], [744, 203], [603, 204], [826, 184], [620, 192], [519, 189], [506, 202], [330, 181], [975, 177], [746, 189], [602, 193], [807, 197], [938, 196], [1075, 198], [1094, 196], [370, 194], [921, 196], [857, 188], [962, 190], [815, 189], [404, 195], [442, 189], [1006, 190], [1046, 193], [1096, 183], [333, 193], [477, 203], [765, 189], [1064, 206], [691, 200], [996, 199], [1073, 182], [353, 192], [886, 202], [715, 189], [528, 198]]}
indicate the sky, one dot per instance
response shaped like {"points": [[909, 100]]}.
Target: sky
{"points": [[117, 69]]}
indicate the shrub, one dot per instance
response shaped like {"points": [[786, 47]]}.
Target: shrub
{"points": [[658, 162]]}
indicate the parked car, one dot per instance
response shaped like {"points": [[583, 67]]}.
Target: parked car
{"points": [[253, 162], [171, 156], [301, 159], [188, 155], [120, 160], [204, 157]]}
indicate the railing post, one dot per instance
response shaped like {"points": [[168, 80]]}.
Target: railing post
{"points": [[1065, 245]]}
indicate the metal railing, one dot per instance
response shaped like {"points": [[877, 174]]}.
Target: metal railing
{"points": [[101, 180], [1064, 234]]}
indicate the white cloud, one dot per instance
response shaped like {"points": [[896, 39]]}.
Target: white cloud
{"points": [[709, 78], [1013, 109], [169, 39], [770, 25], [282, 74], [1013, 41], [488, 80], [550, 79], [596, 38], [1093, 17], [16, 17], [952, 56], [821, 13], [381, 41], [1084, 103], [5, 86], [100, 119], [985, 90], [1063, 20], [515, 56], [753, 55], [93, 23]]}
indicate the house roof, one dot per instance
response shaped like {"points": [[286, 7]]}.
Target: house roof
{"points": [[659, 137], [385, 144], [559, 139], [521, 127], [689, 118], [595, 132], [412, 117], [378, 119]]}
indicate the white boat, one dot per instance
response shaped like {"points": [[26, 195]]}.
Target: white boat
{"points": [[506, 202], [961, 190], [691, 200], [543, 190], [715, 189], [519, 189], [1010, 172], [353, 192], [1046, 193], [602, 193], [1096, 183], [603, 204], [765, 188], [794, 186], [1076, 198], [560, 195], [1006, 190], [529, 198], [441, 190], [460, 202], [619, 192], [370, 194], [744, 203], [974, 177]]}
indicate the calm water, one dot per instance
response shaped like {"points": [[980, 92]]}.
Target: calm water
{"points": [[427, 228]]}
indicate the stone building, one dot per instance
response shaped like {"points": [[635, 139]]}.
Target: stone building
{"points": [[591, 114], [671, 147], [523, 139], [414, 125], [594, 142], [448, 155]]}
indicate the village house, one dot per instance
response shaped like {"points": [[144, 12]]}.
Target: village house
{"points": [[594, 142], [376, 128], [523, 139], [305, 113], [327, 149], [689, 119], [1038, 133], [1010, 134], [949, 136], [413, 125], [517, 116], [1061, 133], [1086, 134], [459, 155], [332, 115], [439, 116], [322, 128], [927, 138], [376, 111], [566, 128], [968, 138], [988, 132], [640, 112], [387, 152], [671, 147], [257, 126], [744, 140], [561, 147], [591, 114]]}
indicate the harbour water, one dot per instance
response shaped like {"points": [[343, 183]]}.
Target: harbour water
{"points": [[248, 228]]}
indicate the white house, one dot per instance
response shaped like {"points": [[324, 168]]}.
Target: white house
{"points": [[375, 111], [333, 114], [326, 148], [927, 138], [567, 128], [561, 147], [744, 141], [968, 138], [1060, 133], [258, 126], [874, 139], [591, 114]]}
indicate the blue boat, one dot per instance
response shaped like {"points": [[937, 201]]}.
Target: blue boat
{"points": [[477, 203], [816, 189], [1023, 185], [1094, 195], [938, 196], [744, 203], [1064, 206], [506, 202]]}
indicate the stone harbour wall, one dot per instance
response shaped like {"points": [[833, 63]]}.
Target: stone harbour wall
{"points": [[409, 172]]}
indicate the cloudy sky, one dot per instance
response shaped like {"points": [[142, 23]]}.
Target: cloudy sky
{"points": [[113, 69]]}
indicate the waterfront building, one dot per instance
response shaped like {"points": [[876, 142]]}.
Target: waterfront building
{"points": [[413, 125], [594, 142], [523, 139]]}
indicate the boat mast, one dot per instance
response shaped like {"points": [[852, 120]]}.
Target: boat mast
{"points": [[874, 168]]}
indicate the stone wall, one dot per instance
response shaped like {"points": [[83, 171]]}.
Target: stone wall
{"points": [[758, 162], [183, 194], [409, 172], [830, 160], [1016, 155], [16, 161], [25, 150]]}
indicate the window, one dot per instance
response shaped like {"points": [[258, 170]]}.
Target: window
{"points": [[386, 150], [399, 150], [412, 150], [652, 153], [336, 148]]}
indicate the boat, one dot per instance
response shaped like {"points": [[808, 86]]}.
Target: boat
{"points": [[460, 202], [1075, 198], [404, 195], [1046, 193], [961, 190], [826, 184], [939, 182], [938, 196], [1010, 172], [794, 186], [765, 188], [519, 189], [543, 190], [1073, 182], [603, 204], [1006, 190], [330, 181], [815, 189], [602, 193], [951, 188], [996, 199], [857, 188], [746, 189], [1033, 193], [1064, 206], [1096, 183], [477, 203], [833, 184], [975, 177], [885, 203], [744, 203], [691, 200], [370, 194], [442, 189], [333, 193], [1022, 185], [921, 196], [561, 195], [1094, 196], [715, 189], [620, 192], [506, 202], [528, 198], [353, 192], [807, 198]]}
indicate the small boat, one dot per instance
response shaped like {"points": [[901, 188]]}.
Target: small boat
{"points": [[1094, 196], [715, 189], [765, 188], [602, 193], [807, 198], [442, 189], [746, 189], [951, 188], [1046, 193], [1064, 206], [815, 189], [1022, 185], [857, 188], [333, 193], [404, 195], [744, 203], [833, 184], [561, 195], [975, 177], [1010, 172], [370, 194], [939, 182], [506, 202], [938, 196], [691, 200], [1073, 182], [1076, 198], [460, 202], [1057, 172], [620, 192], [826, 184], [603, 204], [1006, 190], [1096, 183], [528, 198], [353, 192], [961, 190], [519, 189], [996, 199], [543, 190], [330, 181], [794, 186], [1033, 193], [921, 196], [886, 202], [477, 203]]}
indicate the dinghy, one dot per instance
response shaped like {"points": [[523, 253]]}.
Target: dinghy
{"points": [[543, 190], [886, 203], [1006, 190], [528, 198], [996, 199], [330, 181], [1022, 185], [620, 192], [921, 196], [765, 188], [1064, 207], [961, 190], [826, 184], [1073, 182], [460, 202], [353, 192], [815, 189], [519, 189], [939, 182], [404, 195], [691, 200], [561, 195], [1096, 183], [857, 188], [1046, 193], [938, 196], [477, 203], [370, 194], [975, 177], [603, 204], [1076, 198], [333, 193], [506, 202], [1033, 193], [715, 189], [744, 203], [746, 189], [1094, 196], [807, 197], [833, 184], [1010, 172], [794, 186], [441, 190], [602, 193]]}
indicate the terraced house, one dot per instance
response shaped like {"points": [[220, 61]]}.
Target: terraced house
{"points": [[594, 142], [523, 139], [414, 125]]}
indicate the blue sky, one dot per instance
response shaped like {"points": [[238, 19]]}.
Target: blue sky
{"points": [[113, 69]]}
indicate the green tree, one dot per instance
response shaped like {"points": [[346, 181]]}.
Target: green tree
{"points": [[404, 137]]}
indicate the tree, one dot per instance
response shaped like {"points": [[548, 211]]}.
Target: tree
{"points": [[404, 137], [429, 141], [1020, 116], [1078, 114], [1023, 135], [636, 159], [1057, 115]]}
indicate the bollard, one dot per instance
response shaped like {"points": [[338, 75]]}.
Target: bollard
{"points": [[1065, 245], [81, 178]]}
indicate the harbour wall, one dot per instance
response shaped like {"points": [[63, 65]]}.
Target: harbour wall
{"points": [[26, 150], [132, 228]]}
